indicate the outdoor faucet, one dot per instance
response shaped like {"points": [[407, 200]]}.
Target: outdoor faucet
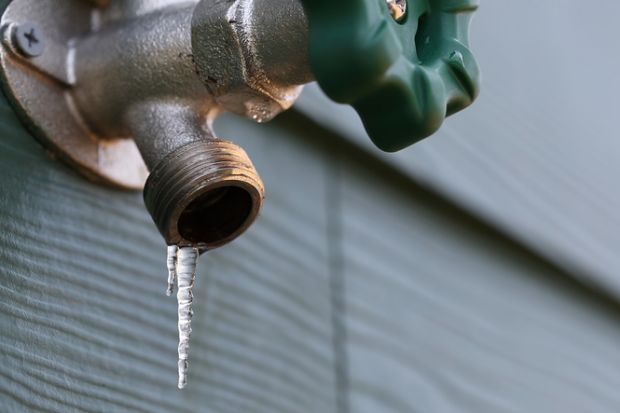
{"points": [[162, 78], [154, 74], [127, 91]]}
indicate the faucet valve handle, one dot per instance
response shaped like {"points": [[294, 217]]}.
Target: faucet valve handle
{"points": [[404, 65]]}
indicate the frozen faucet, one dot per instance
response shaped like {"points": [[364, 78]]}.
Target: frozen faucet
{"points": [[121, 88]]}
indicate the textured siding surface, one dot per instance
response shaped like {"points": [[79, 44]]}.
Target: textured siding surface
{"points": [[85, 322], [538, 153], [444, 316], [356, 291]]}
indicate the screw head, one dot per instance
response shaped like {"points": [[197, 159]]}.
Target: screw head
{"points": [[398, 9], [28, 39]]}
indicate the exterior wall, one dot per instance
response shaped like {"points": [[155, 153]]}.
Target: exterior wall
{"points": [[444, 315], [537, 154], [356, 291], [86, 325]]}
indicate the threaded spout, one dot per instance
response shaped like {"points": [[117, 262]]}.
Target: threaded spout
{"points": [[204, 194]]}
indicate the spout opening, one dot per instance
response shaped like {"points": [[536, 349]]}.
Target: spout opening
{"points": [[215, 215], [204, 194]]}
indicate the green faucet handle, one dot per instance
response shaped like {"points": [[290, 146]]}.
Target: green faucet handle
{"points": [[404, 65]]}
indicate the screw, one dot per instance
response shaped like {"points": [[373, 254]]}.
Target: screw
{"points": [[28, 39], [398, 9]]}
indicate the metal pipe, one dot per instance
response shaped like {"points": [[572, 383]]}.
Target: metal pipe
{"points": [[249, 57], [252, 54], [139, 80], [275, 34], [133, 61], [202, 191], [160, 75], [161, 127]]}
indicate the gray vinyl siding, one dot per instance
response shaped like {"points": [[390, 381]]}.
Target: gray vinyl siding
{"points": [[444, 316], [357, 290]]}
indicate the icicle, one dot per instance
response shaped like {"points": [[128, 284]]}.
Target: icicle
{"points": [[186, 274], [172, 268]]}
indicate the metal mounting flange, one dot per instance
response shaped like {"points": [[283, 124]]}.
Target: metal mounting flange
{"points": [[37, 76]]}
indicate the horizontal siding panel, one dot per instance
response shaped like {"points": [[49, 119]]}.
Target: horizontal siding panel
{"points": [[87, 327], [442, 315]]}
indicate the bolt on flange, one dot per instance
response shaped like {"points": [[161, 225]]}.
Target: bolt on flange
{"points": [[28, 39]]}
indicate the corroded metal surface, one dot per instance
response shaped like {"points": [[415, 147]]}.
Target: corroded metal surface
{"points": [[110, 70], [39, 90], [204, 194], [252, 54]]}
